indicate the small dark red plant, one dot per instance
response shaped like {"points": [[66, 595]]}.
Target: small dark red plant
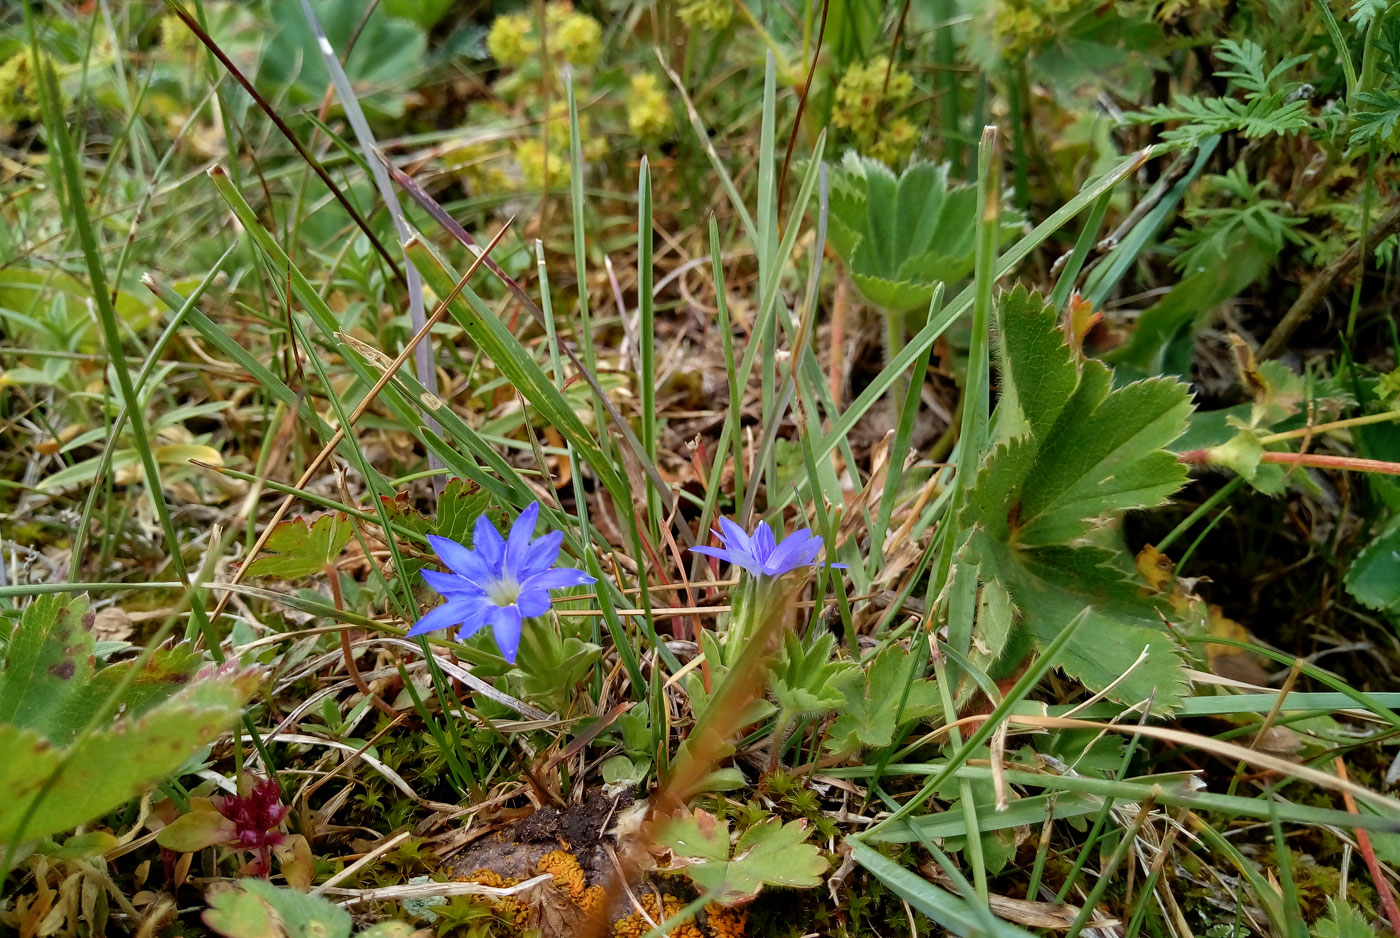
{"points": [[257, 817]]}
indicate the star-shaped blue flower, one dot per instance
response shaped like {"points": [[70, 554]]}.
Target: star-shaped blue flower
{"points": [[498, 582], [761, 554]]}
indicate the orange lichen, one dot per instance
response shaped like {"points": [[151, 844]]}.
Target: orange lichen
{"points": [[637, 924], [572, 883], [485, 877], [568, 875], [725, 923], [593, 899]]}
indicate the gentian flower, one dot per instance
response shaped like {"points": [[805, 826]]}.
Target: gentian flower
{"points": [[498, 582], [761, 554]]}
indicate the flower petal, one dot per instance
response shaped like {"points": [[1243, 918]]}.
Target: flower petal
{"points": [[721, 553], [518, 541], [505, 626], [540, 556], [458, 559], [763, 542], [473, 623], [532, 602], [487, 543], [798, 549], [449, 584], [734, 536], [444, 616], [557, 578]]}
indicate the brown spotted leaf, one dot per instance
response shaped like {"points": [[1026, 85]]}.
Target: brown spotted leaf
{"points": [[50, 691]]}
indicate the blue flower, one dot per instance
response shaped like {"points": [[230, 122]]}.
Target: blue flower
{"points": [[761, 554], [499, 582]]}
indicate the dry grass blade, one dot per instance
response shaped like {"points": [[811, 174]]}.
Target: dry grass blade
{"points": [[439, 312], [1225, 750], [431, 890]]}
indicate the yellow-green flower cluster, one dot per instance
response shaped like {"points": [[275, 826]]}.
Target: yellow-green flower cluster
{"points": [[865, 105], [19, 88], [577, 35], [541, 169], [1020, 25], [514, 37], [537, 172], [707, 15], [511, 40], [648, 114], [482, 165]]}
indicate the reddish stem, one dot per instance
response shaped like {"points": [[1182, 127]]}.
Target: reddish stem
{"points": [[1317, 460], [1363, 841]]}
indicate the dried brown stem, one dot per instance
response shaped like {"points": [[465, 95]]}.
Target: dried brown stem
{"points": [[1319, 286]]}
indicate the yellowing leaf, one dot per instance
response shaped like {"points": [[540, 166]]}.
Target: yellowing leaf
{"points": [[202, 827]]}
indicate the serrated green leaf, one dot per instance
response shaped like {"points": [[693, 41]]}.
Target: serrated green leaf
{"points": [[1342, 921], [49, 656], [1052, 585], [48, 693], [697, 836], [458, 507], [1075, 452], [1037, 369], [899, 236], [805, 680], [256, 909], [112, 766], [1374, 577], [769, 853], [298, 548], [872, 699]]}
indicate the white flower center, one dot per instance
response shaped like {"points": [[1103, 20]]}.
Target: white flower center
{"points": [[503, 592]]}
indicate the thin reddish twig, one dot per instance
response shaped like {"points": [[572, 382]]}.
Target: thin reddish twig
{"points": [[1197, 457], [1363, 841]]}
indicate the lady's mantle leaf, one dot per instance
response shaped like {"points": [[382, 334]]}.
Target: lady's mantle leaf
{"points": [[770, 853], [872, 698], [49, 689], [902, 235], [1074, 451], [1374, 577], [300, 548], [256, 908]]}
